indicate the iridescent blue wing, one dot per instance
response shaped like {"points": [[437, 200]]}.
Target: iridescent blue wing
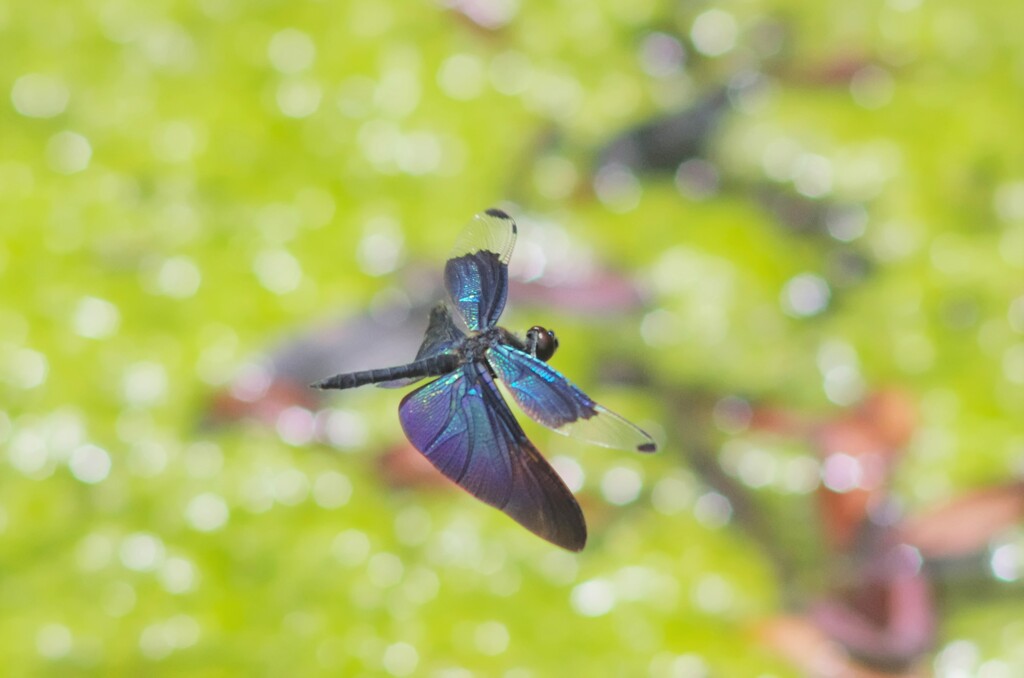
{"points": [[476, 275], [442, 335], [554, 401], [461, 423]]}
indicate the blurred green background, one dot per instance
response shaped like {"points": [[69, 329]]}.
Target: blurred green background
{"points": [[183, 185]]}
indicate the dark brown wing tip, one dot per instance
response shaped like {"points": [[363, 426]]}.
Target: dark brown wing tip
{"points": [[647, 447], [574, 542]]}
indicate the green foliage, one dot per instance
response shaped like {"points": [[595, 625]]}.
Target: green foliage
{"points": [[181, 184]]}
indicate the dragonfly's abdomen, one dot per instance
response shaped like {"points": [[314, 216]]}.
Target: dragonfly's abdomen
{"points": [[428, 367]]}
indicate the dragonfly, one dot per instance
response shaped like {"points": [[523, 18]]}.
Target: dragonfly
{"points": [[461, 422]]}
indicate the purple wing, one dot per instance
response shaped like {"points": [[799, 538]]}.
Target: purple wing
{"points": [[442, 335], [462, 425], [554, 401], [476, 274]]}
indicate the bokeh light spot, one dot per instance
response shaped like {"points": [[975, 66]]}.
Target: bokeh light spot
{"points": [[178, 575], [559, 567], [714, 32], [207, 512], [278, 271], [872, 87], [511, 73], [299, 97], [712, 510], [257, 495], [1008, 201], [331, 490], [142, 551], [36, 95], [94, 552], [380, 248], [621, 485], [90, 464], [144, 383], [344, 429], [697, 179], [290, 487], [419, 153], [713, 594], [385, 570], [673, 495], [120, 599], [554, 93], [399, 89], [203, 459], [959, 658], [147, 458], [461, 76], [421, 585], [351, 547], [687, 665], [178, 277], [1015, 315], [24, 368], [291, 51], [68, 152], [844, 385], [54, 641], [489, 14], [1013, 364], [296, 425], [159, 639], [593, 598], [732, 414], [175, 141], [412, 525], [618, 188], [570, 471], [1007, 562], [95, 318], [183, 630], [800, 475], [812, 175], [400, 659], [662, 55], [153, 642], [28, 453], [805, 295], [756, 467], [841, 472], [847, 224], [555, 177], [491, 638]]}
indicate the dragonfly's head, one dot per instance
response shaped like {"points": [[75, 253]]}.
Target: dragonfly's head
{"points": [[541, 343]]}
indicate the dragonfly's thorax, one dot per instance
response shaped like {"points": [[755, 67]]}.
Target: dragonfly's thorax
{"points": [[475, 346]]}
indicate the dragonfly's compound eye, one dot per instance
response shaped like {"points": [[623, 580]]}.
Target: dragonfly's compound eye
{"points": [[541, 342]]}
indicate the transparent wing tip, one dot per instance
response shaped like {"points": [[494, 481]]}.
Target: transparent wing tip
{"points": [[492, 230], [501, 214]]}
